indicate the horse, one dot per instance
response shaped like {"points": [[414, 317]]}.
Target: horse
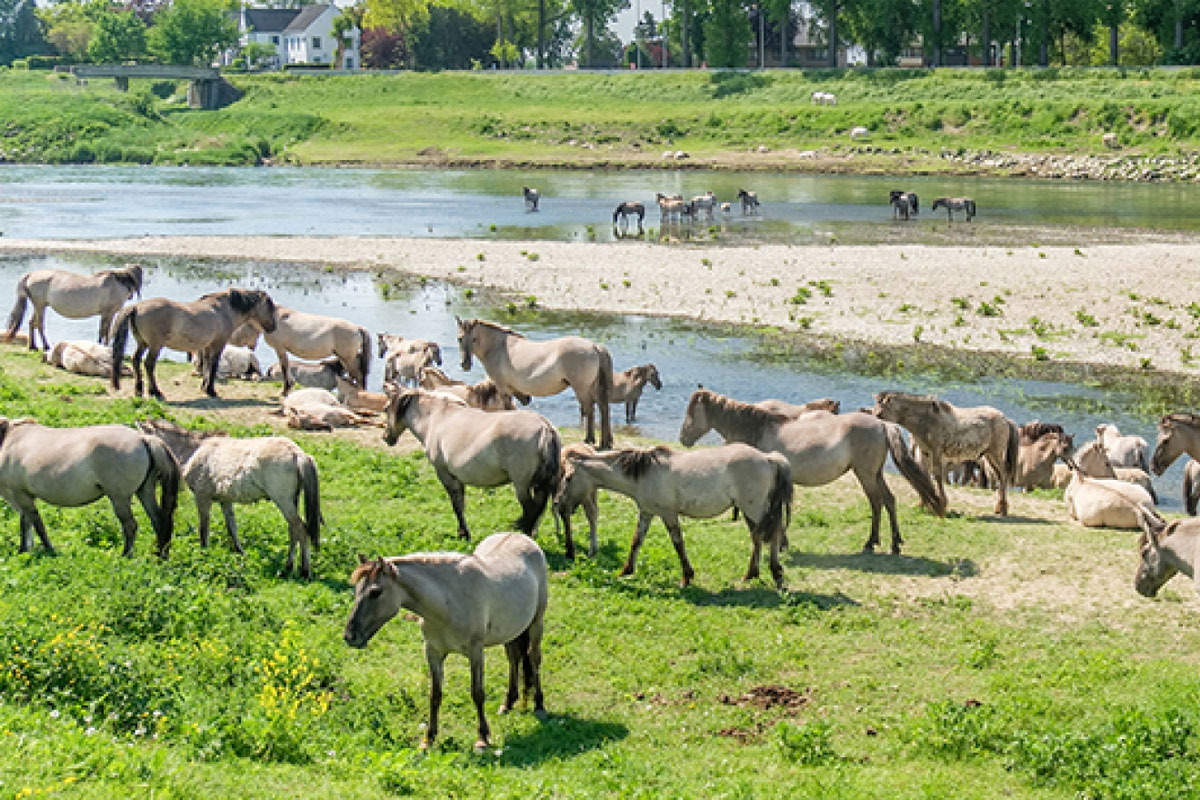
{"points": [[470, 447], [523, 367], [666, 483], [466, 603], [1165, 549], [749, 201], [1179, 434], [532, 196], [314, 409], [321, 375], [317, 336], [83, 358], [1093, 461], [1191, 487], [483, 395], [77, 466], [403, 359], [1036, 460], [630, 209], [1030, 432], [703, 202], [901, 208], [672, 206], [824, 98], [202, 326], [821, 447], [946, 433], [860, 132], [629, 384], [572, 495], [952, 204], [1104, 502], [914, 202], [235, 362], [74, 296], [792, 410], [356, 398], [227, 470], [1124, 451]]}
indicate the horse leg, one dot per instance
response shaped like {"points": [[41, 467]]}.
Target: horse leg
{"points": [[676, 533], [138, 353], [454, 488], [204, 512], [630, 410], [298, 535], [588, 412], [513, 651], [478, 695], [436, 663], [639, 536], [889, 503], [283, 370], [105, 321], [533, 667], [997, 469], [592, 512], [870, 486], [606, 441], [33, 326], [231, 529], [155, 513], [755, 556], [26, 539], [151, 361], [35, 519], [124, 513], [212, 363]]}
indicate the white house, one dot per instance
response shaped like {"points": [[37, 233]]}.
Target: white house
{"points": [[300, 35]]}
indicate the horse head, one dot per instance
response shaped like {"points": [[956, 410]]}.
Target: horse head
{"points": [[396, 411], [1167, 448], [1153, 571], [695, 421], [466, 336], [256, 304], [378, 596], [652, 376]]}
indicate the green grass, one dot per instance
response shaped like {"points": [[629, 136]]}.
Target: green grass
{"points": [[992, 659], [624, 118]]}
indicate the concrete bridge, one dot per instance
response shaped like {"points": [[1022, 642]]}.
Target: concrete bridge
{"points": [[206, 88]]}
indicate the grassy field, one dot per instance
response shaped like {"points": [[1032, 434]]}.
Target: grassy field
{"points": [[720, 118], [995, 658]]}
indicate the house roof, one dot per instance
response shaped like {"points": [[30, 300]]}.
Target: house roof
{"points": [[307, 16], [270, 20]]}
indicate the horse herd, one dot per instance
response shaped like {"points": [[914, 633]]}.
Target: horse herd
{"points": [[477, 437]]}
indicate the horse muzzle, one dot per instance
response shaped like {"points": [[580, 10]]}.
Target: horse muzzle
{"points": [[354, 640]]}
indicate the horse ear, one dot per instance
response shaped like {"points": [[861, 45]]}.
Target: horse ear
{"points": [[362, 559], [1152, 524], [4, 423]]}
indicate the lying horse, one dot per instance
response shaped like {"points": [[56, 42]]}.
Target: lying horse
{"points": [[321, 375], [317, 336], [630, 209], [202, 326], [1165, 549], [483, 395], [532, 196], [217, 467], [83, 358], [1104, 502], [1094, 462], [469, 447], [315, 409], [497, 595], [628, 385], [749, 201], [73, 296], [700, 484], [77, 466], [356, 398], [951, 204]]}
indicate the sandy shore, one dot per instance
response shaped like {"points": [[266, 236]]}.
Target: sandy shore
{"points": [[1109, 304]]}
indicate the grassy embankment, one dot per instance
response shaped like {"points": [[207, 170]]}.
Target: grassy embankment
{"points": [[600, 119], [992, 659]]}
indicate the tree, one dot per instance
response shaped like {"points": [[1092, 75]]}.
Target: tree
{"points": [[451, 39], [350, 18], [595, 15], [20, 30], [882, 27], [383, 49], [779, 12], [117, 37], [828, 11], [192, 32], [727, 34]]}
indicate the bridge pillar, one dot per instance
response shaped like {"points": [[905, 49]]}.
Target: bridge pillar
{"points": [[122, 83]]}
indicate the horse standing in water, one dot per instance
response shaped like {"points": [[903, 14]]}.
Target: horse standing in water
{"points": [[73, 296], [532, 197], [630, 209], [964, 204]]}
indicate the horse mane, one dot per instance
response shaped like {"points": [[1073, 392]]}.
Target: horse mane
{"points": [[244, 300], [1030, 432], [751, 419], [484, 392], [1181, 418], [635, 462], [495, 326], [928, 399], [130, 277]]}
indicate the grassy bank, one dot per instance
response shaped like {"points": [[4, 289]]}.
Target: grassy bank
{"points": [[993, 658], [721, 119]]}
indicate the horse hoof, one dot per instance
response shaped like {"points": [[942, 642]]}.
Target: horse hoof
{"points": [[424, 745], [869, 549], [896, 550], [481, 745]]}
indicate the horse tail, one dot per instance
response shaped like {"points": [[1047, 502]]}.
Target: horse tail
{"points": [[1011, 454], [364, 355], [18, 313], [617, 213], [312, 500], [604, 391], [543, 485], [164, 470], [779, 501], [118, 332], [1189, 493], [912, 470]]}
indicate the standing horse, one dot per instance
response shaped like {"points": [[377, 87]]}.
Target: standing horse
{"points": [[671, 206], [217, 467], [539, 369], [630, 209], [949, 434], [532, 197], [914, 202], [77, 466], [470, 447], [403, 359], [1036, 460], [73, 296], [1124, 450], [317, 336], [1179, 434], [497, 595], [821, 447], [951, 204], [700, 484], [202, 326], [749, 201], [628, 385]]}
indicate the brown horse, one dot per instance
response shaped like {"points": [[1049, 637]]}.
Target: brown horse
{"points": [[73, 296], [946, 434], [629, 384], [1035, 460], [821, 447], [202, 326]]}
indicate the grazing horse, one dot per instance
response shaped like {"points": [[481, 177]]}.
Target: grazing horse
{"points": [[1124, 451], [1036, 459], [630, 209], [73, 296], [77, 466], [1165, 549], [403, 359], [317, 336], [952, 204], [749, 201], [628, 385], [202, 326], [947, 434], [483, 395], [532, 196], [466, 603], [470, 447], [666, 483], [821, 447], [539, 369], [914, 202], [217, 467]]}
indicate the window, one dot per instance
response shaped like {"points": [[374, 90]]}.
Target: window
{"points": [[316, 43], [275, 40]]}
